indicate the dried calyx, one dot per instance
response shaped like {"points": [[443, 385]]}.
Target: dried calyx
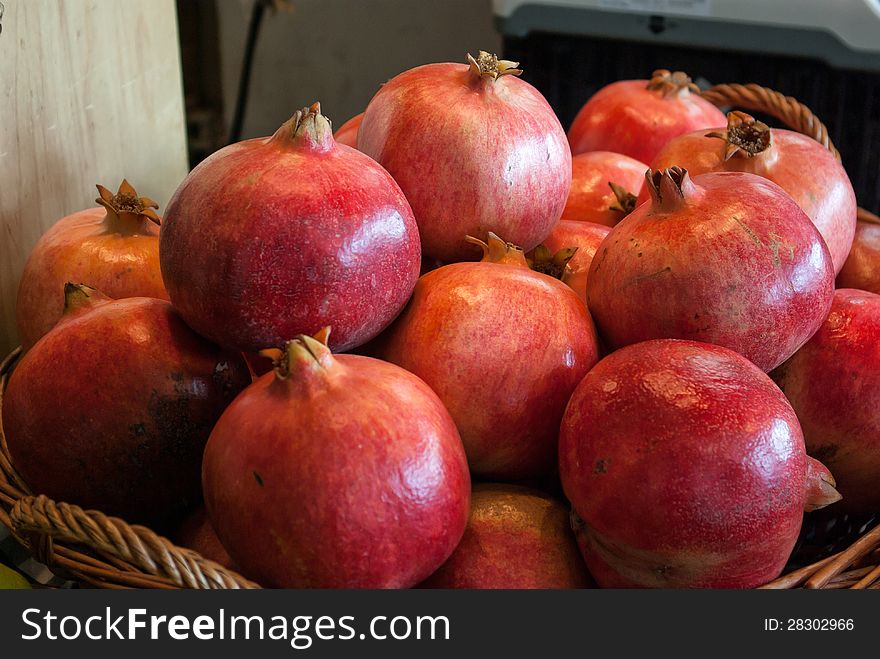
{"points": [[542, 260], [670, 83], [79, 296], [745, 135], [668, 188], [307, 125], [625, 200], [497, 250], [487, 64], [302, 352], [126, 205]]}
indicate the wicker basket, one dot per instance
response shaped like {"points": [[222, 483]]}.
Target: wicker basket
{"points": [[106, 552]]}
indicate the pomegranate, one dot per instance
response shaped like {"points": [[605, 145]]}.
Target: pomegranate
{"points": [[114, 247], [503, 347], [726, 258], [475, 149], [637, 117], [686, 467], [586, 237], [833, 383], [602, 186], [272, 237], [515, 538], [196, 533], [798, 164], [336, 472], [347, 133], [862, 267], [134, 394]]}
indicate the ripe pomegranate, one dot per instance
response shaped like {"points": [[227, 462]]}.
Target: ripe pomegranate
{"points": [[862, 267], [586, 237], [798, 164], [833, 383], [475, 149], [114, 247], [196, 533], [602, 186], [686, 467], [637, 117], [134, 394], [272, 237], [725, 258], [336, 472], [515, 538], [503, 347], [347, 133]]}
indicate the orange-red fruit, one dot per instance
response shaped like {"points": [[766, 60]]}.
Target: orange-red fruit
{"points": [[503, 346], [347, 133], [515, 538], [637, 117], [114, 248], [112, 408], [591, 198], [336, 471], [862, 267], [687, 468], [196, 533], [587, 237], [833, 383]]}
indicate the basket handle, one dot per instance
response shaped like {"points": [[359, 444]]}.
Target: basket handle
{"points": [[786, 109], [154, 555]]}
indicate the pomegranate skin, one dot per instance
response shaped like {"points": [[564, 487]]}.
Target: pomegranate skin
{"points": [[798, 164], [726, 258], [320, 480], [626, 117], [503, 347], [516, 537], [196, 533], [115, 253], [473, 154], [686, 466], [862, 267], [833, 383], [587, 237], [590, 198], [135, 394], [347, 133], [270, 238]]}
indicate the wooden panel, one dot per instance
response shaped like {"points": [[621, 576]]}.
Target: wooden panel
{"points": [[90, 92]]}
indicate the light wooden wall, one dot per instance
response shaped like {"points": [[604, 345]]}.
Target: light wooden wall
{"points": [[90, 92]]}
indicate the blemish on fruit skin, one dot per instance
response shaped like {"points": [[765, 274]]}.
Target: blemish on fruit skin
{"points": [[601, 467], [258, 478]]}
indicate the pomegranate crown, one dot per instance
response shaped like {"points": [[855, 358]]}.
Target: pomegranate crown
{"points": [[542, 260], [127, 202], [668, 188], [497, 250], [625, 200], [487, 64], [745, 135], [672, 83], [310, 351], [307, 126]]}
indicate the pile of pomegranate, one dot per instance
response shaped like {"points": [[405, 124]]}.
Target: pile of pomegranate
{"points": [[436, 350]]}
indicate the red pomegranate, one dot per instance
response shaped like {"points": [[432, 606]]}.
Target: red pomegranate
{"points": [[503, 347], [269, 238], [134, 394], [602, 187], [638, 117], [196, 533], [515, 538], [833, 383], [475, 149], [686, 467], [336, 472], [347, 133], [586, 237], [114, 247], [725, 258], [862, 267], [798, 164]]}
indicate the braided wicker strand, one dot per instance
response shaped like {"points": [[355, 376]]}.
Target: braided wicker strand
{"points": [[110, 536], [786, 109]]}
